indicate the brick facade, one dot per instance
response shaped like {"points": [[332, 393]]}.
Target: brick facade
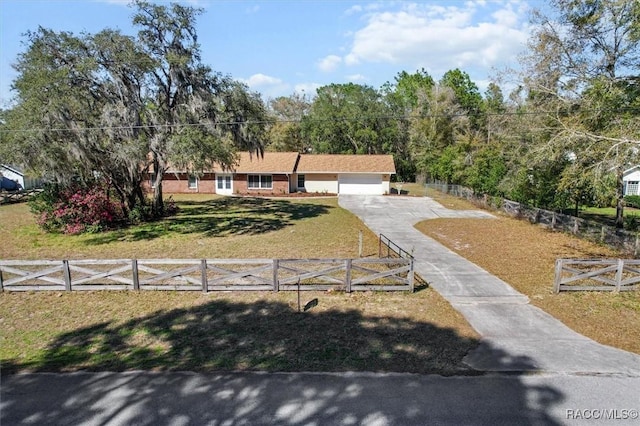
{"points": [[280, 185], [178, 183]]}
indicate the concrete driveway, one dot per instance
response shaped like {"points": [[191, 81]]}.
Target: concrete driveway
{"points": [[516, 336]]}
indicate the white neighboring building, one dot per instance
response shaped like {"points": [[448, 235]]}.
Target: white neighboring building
{"points": [[16, 174], [631, 181]]}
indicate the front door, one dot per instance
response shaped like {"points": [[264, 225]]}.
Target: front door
{"points": [[224, 184]]}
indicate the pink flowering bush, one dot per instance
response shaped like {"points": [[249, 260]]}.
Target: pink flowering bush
{"points": [[76, 210]]}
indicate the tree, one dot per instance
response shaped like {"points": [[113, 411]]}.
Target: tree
{"points": [[186, 100], [582, 70], [401, 99], [348, 118], [108, 106], [287, 112]]}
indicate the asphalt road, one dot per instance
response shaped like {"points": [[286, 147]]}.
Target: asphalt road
{"points": [[143, 398]]}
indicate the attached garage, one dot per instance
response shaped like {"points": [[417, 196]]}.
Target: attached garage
{"points": [[364, 184], [345, 173]]}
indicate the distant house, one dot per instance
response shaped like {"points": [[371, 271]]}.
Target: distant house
{"points": [[631, 181], [286, 172], [14, 178]]}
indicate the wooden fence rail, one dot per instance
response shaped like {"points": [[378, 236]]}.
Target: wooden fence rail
{"points": [[7, 197], [619, 239], [387, 248], [597, 275], [208, 274]]}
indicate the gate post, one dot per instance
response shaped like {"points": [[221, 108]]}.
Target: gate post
{"points": [[558, 277], [348, 275], [67, 275], [203, 272]]}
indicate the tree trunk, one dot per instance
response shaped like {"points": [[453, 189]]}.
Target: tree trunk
{"points": [[158, 203], [619, 201]]}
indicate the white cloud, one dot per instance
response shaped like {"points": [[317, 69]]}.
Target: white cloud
{"points": [[258, 80], [253, 9], [267, 85], [471, 34], [329, 63], [307, 88], [356, 77]]}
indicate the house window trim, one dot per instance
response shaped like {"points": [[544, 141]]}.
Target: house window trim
{"points": [[261, 182], [195, 182], [298, 186], [635, 185]]}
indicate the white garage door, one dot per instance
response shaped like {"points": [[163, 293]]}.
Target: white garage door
{"points": [[360, 184]]}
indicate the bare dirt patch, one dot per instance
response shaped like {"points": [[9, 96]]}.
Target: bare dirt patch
{"points": [[524, 255]]}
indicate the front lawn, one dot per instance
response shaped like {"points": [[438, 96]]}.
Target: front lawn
{"points": [[223, 331], [205, 226]]}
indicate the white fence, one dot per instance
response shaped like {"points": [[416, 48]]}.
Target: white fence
{"points": [[208, 274], [597, 275]]}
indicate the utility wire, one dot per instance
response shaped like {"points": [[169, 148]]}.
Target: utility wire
{"points": [[314, 120]]}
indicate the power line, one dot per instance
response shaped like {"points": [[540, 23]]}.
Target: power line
{"points": [[307, 119]]}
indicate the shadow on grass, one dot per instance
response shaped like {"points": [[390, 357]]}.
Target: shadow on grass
{"points": [[222, 336], [219, 218], [265, 336]]}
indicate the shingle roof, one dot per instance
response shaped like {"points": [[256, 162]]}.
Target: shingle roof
{"points": [[271, 162], [335, 163]]}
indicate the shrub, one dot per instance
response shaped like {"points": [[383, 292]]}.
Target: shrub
{"points": [[632, 201], [631, 223], [75, 210]]}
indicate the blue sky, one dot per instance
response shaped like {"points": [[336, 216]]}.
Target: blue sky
{"points": [[278, 47]]}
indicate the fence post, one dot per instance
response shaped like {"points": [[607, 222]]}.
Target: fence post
{"points": [[603, 233], [203, 272], [276, 285], [411, 275], [360, 243], [380, 246], [553, 220], [134, 274], [558, 276], [1, 283], [619, 275], [575, 226], [66, 272], [348, 275]]}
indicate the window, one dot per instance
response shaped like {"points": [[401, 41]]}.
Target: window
{"points": [[193, 182], [632, 187], [300, 181], [260, 182], [224, 182]]}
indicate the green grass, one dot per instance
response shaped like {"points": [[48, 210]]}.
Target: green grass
{"points": [[605, 215], [204, 227]]}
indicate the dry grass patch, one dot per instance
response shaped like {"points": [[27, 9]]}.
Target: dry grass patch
{"points": [[111, 330], [117, 331], [524, 255]]}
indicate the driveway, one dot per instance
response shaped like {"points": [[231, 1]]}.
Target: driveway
{"points": [[515, 335]]}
